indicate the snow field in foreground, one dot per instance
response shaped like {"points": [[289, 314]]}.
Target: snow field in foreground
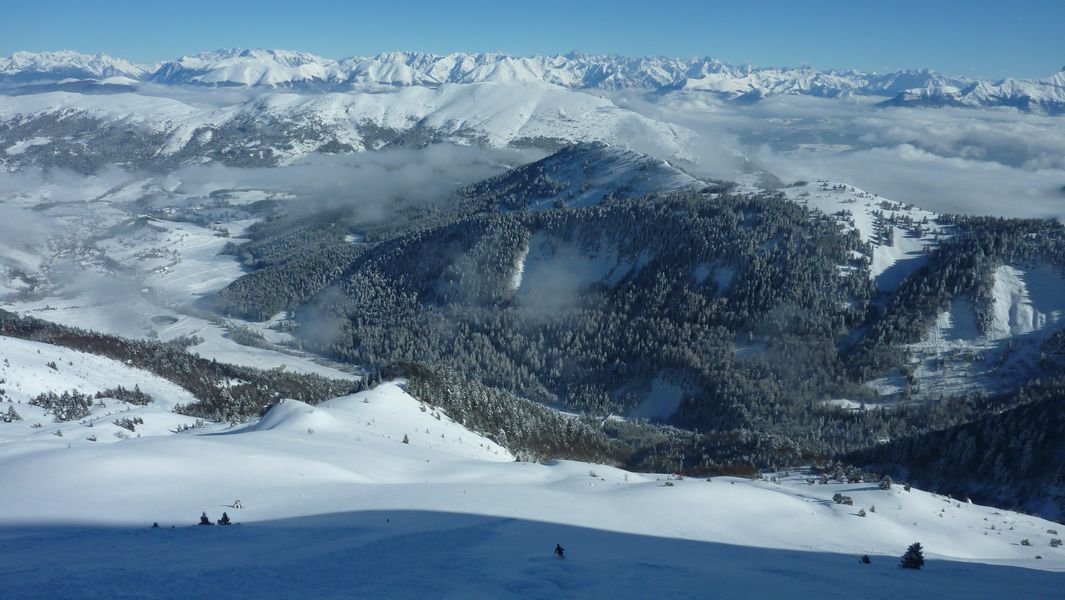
{"points": [[337, 504]]}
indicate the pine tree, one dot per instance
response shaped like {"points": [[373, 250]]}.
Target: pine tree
{"points": [[204, 519], [914, 557], [886, 483]]}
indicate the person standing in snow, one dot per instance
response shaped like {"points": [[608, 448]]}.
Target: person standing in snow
{"points": [[560, 551]]}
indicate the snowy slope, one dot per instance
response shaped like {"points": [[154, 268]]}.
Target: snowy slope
{"points": [[25, 371], [342, 467], [893, 255]]}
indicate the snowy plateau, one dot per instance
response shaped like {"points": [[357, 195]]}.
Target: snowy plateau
{"points": [[226, 210]]}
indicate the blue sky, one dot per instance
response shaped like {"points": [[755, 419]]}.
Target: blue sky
{"points": [[976, 37]]}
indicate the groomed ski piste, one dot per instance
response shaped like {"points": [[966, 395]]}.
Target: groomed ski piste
{"points": [[337, 505]]}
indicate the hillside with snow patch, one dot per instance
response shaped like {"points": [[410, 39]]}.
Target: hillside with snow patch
{"points": [[1027, 307], [898, 234]]}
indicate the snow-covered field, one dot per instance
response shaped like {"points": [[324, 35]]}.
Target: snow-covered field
{"points": [[336, 504]]}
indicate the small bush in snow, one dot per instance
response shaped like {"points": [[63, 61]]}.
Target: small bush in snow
{"points": [[1054, 543], [913, 558], [1026, 542], [10, 416], [861, 512], [885, 483], [841, 499]]}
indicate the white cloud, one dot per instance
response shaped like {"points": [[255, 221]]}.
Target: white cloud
{"points": [[984, 161]]}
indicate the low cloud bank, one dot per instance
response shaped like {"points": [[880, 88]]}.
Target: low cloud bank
{"points": [[988, 161]]}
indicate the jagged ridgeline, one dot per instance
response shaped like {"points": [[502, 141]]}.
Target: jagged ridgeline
{"points": [[710, 309]]}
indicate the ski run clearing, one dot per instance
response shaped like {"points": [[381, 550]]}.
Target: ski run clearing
{"points": [[336, 504]]}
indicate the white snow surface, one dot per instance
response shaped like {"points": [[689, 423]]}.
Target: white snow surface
{"points": [[451, 511], [1026, 300]]}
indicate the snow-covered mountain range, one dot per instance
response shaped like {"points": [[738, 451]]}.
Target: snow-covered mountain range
{"points": [[26, 67], [80, 130], [304, 71], [1030, 95]]}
